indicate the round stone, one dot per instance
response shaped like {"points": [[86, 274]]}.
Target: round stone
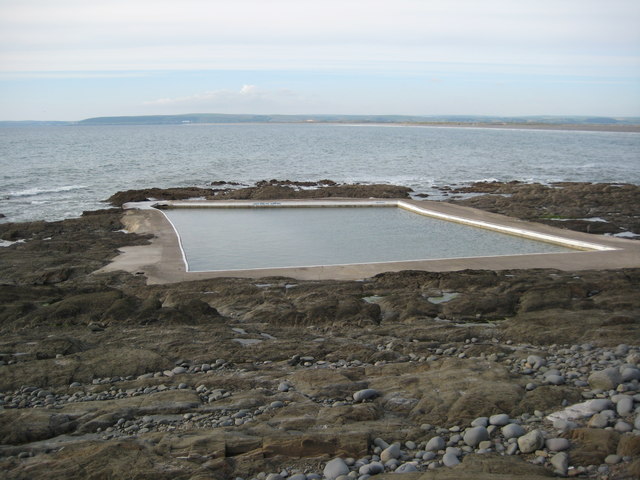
{"points": [[499, 420], [612, 459], [366, 394], [555, 379], [624, 406], [450, 460], [392, 451], [557, 444], [435, 444], [334, 468], [473, 436], [560, 462], [406, 468], [513, 430], [480, 422], [600, 404], [607, 379]]}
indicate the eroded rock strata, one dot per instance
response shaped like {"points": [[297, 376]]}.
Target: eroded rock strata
{"points": [[471, 374]]}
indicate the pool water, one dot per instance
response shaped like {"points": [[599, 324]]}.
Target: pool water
{"points": [[247, 238]]}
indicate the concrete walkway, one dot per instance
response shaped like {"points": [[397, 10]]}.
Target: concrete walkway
{"points": [[162, 261]]}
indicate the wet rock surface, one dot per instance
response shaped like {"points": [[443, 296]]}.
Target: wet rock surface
{"points": [[470, 374], [593, 208]]}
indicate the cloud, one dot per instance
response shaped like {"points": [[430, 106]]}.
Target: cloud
{"points": [[247, 98], [162, 35]]}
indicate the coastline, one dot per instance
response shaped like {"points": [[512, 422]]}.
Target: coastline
{"points": [[443, 374]]}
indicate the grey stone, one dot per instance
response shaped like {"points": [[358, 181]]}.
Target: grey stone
{"points": [[512, 449], [435, 444], [513, 430], [622, 427], [607, 379], [554, 379], [284, 387], [366, 394], [624, 406], [372, 468], [532, 441], [334, 468], [480, 422], [474, 435], [410, 445], [406, 468], [450, 460], [636, 424], [536, 361], [499, 420], [392, 451], [557, 444], [600, 404], [560, 462], [612, 459], [178, 370], [599, 420], [630, 373]]}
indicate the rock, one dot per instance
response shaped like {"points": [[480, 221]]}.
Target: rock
{"points": [[624, 406], [629, 446], [450, 460], [393, 451], [512, 430], [612, 459], [599, 420], [499, 420], [630, 373], [560, 462], [531, 442], [480, 422], [435, 444], [591, 446], [366, 394], [334, 468], [406, 468], [607, 379], [554, 379], [557, 444], [473, 436], [600, 404]]}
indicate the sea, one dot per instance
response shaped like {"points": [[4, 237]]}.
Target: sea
{"points": [[57, 172]]}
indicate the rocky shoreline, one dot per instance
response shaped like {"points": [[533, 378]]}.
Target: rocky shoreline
{"points": [[470, 374]]}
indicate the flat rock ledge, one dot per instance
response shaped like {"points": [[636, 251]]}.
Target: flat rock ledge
{"points": [[459, 375]]}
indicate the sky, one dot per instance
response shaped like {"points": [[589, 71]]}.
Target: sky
{"points": [[74, 59]]}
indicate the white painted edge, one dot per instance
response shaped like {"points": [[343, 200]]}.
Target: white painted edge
{"points": [[520, 232]]}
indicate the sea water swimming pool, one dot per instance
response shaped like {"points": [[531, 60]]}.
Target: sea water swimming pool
{"points": [[275, 235]]}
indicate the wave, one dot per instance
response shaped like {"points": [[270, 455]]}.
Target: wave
{"points": [[32, 192]]}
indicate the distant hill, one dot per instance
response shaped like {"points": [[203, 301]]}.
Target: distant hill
{"points": [[449, 119], [204, 118]]}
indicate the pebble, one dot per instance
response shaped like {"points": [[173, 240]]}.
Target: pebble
{"points": [[406, 468], [624, 406], [532, 441], [334, 468], [435, 444], [557, 444], [512, 430], [599, 420], [607, 379], [366, 394], [474, 435], [450, 460], [499, 420], [393, 451], [560, 462]]}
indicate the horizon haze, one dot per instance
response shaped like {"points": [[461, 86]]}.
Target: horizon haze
{"points": [[71, 60]]}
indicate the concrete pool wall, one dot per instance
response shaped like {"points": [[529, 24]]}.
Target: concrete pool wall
{"points": [[163, 260]]}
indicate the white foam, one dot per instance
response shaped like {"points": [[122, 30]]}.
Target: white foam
{"points": [[31, 192]]}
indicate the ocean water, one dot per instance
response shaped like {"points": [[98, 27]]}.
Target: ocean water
{"points": [[56, 172]]}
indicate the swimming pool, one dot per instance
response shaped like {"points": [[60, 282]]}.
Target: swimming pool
{"points": [[280, 234]]}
